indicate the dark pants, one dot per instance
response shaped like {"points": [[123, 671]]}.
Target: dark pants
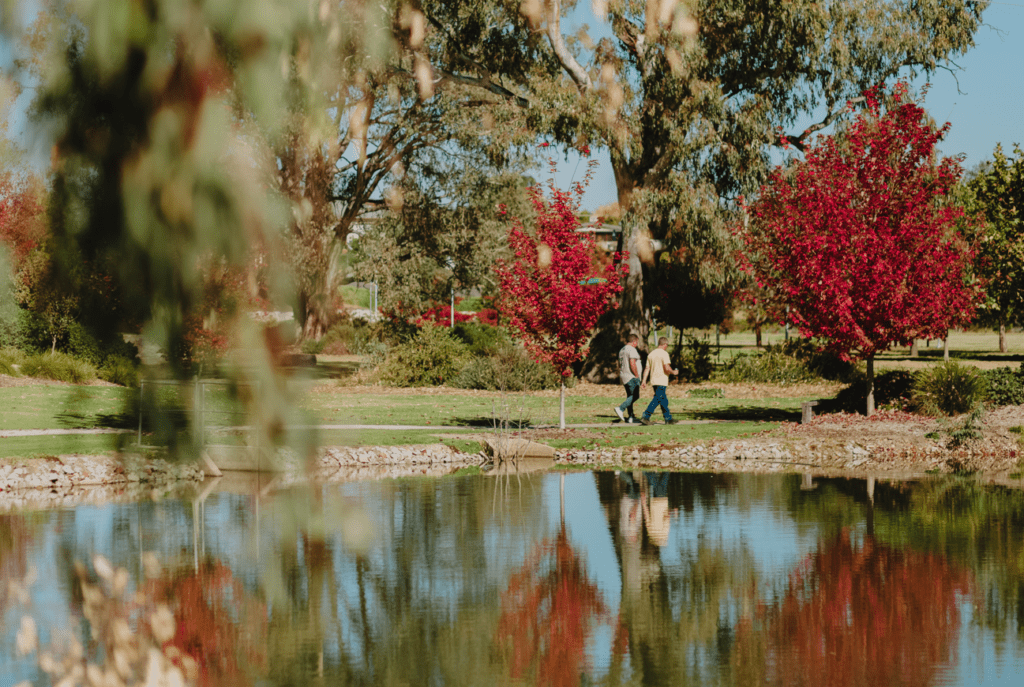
{"points": [[660, 399], [632, 396]]}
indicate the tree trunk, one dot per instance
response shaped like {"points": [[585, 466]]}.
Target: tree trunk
{"points": [[1002, 336], [945, 348], [871, 386], [913, 349], [757, 335], [561, 407], [615, 326]]}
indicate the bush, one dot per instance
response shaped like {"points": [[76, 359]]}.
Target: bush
{"points": [[509, 368], [773, 366], [431, 358], [1005, 386], [60, 367], [694, 360], [892, 390], [83, 345], [481, 339], [120, 370], [9, 357], [820, 362], [948, 388]]}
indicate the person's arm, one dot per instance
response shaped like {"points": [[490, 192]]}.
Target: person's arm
{"points": [[669, 370], [633, 362], [647, 374]]}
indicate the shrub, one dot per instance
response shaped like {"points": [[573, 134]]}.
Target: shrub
{"points": [[60, 367], [772, 366], [481, 339], [9, 357], [432, 357], [948, 388], [820, 362], [120, 370], [892, 390], [509, 368], [82, 344], [1005, 386], [694, 360]]}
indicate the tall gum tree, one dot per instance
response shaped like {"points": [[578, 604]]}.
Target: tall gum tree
{"points": [[689, 99], [996, 193]]}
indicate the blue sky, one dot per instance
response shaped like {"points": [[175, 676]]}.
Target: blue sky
{"points": [[987, 109]]}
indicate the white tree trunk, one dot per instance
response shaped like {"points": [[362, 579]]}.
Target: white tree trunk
{"points": [[871, 386], [561, 408]]}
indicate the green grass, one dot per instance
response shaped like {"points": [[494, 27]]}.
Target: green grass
{"points": [[355, 296], [62, 407], [58, 445]]}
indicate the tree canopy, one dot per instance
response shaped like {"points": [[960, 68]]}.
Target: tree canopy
{"points": [[859, 238], [996, 194]]}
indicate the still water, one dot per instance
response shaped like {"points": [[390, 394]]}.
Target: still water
{"points": [[580, 579]]}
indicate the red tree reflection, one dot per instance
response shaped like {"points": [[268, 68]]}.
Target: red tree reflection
{"points": [[219, 624], [547, 613], [863, 615]]}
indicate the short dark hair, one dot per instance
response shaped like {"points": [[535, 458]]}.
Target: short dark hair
{"points": [[662, 340], [633, 337]]}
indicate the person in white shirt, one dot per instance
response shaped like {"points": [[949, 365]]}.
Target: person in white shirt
{"points": [[629, 374], [659, 367]]}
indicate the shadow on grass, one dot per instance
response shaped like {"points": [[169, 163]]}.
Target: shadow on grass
{"points": [[744, 414], [102, 421], [489, 422]]}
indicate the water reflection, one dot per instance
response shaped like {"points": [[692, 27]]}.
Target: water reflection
{"points": [[635, 578]]}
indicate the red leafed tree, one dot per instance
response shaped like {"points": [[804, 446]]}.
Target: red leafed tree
{"points": [[556, 287], [859, 239]]}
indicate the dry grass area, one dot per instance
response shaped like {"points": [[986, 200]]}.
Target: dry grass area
{"points": [[584, 389]]}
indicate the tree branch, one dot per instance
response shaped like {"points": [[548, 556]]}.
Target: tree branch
{"points": [[565, 58]]}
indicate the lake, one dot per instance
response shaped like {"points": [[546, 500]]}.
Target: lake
{"points": [[604, 578]]}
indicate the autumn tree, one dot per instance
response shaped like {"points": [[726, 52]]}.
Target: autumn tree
{"points": [[554, 289], [689, 98], [857, 238], [996, 193]]}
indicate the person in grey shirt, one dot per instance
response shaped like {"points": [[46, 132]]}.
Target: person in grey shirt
{"points": [[629, 375]]}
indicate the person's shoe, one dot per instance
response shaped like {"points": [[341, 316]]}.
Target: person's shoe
{"points": [[630, 420], [618, 411], [671, 422], [644, 421]]}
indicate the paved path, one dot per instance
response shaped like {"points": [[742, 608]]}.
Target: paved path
{"points": [[5, 433]]}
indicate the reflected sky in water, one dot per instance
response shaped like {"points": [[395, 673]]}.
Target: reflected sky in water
{"points": [[627, 578]]}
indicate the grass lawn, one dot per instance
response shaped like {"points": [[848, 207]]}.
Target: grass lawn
{"points": [[446, 412]]}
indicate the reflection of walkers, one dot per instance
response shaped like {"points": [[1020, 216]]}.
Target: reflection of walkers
{"points": [[656, 511], [658, 369], [629, 374]]}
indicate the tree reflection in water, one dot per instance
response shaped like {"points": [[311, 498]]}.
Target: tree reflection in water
{"points": [[858, 614], [221, 626], [548, 613]]}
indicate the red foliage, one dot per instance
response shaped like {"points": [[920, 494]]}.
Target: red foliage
{"points": [[220, 625], [542, 296], [22, 215], [857, 240], [547, 613], [863, 614]]}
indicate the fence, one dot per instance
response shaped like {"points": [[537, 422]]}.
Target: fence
{"points": [[175, 406]]}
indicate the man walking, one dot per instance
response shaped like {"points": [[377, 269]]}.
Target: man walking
{"points": [[629, 374], [658, 369]]}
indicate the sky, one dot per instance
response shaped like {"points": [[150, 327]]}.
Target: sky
{"points": [[986, 109]]}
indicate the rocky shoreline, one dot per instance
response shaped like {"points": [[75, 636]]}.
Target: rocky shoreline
{"points": [[894, 445]]}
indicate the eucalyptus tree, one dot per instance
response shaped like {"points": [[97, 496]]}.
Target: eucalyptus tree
{"points": [[690, 98], [995, 193]]}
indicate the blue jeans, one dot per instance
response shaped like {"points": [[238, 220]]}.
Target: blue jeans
{"points": [[660, 399], [632, 396]]}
